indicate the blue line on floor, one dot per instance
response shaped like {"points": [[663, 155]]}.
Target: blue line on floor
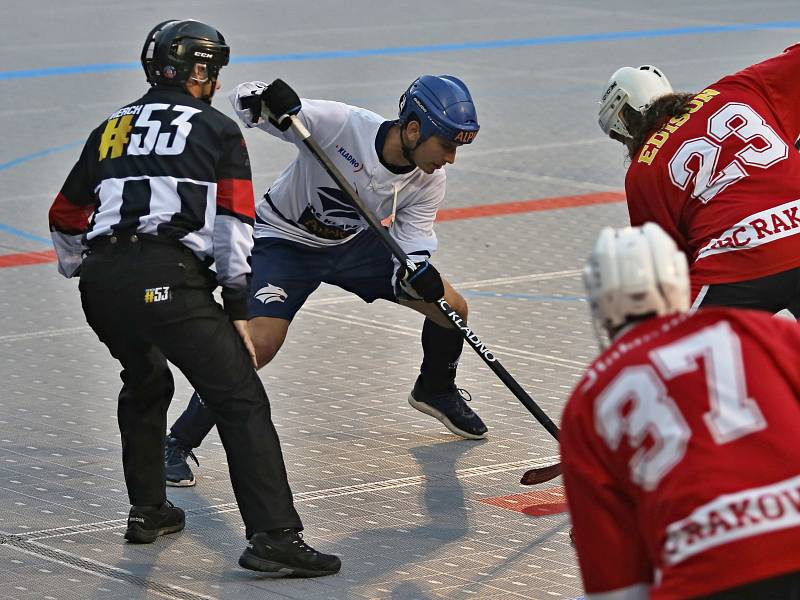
{"points": [[404, 50], [544, 41], [23, 234], [16, 161]]}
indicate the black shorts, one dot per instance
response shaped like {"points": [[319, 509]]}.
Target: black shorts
{"points": [[773, 293], [782, 587]]}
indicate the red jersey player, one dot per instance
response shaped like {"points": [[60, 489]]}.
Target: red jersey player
{"points": [[718, 172], [679, 445]]}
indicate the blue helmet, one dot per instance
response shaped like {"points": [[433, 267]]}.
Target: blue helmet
{"points": [[443, 106]]}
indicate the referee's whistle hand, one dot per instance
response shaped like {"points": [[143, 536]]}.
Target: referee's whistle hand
{"points": [[241, 329]]}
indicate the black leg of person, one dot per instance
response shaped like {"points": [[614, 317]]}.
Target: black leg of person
{"points": [[143, 337], [435, 391], [532, 476]]}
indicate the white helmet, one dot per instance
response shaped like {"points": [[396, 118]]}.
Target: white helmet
{"points": [[635, 87], [634, 272]]}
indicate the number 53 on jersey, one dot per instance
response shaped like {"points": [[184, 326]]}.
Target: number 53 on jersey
{"points": [[117, 138]]}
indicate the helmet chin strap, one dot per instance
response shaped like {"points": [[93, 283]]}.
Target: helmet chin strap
{"points": [[208, 79], [405, 149], [207, 97]]}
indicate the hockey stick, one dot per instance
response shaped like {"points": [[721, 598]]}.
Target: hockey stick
{"points": [[533, 476]]}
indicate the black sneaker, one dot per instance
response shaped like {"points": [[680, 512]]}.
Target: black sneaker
{"points": [[146, 523], [283, 553], [450, 408], [179, 474]]}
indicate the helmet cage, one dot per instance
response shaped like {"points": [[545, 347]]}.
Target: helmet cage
{"points": [[610, 117], [634, 87]]}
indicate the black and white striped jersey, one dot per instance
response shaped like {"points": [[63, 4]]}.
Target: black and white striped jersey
{"points": [[170, 165]]}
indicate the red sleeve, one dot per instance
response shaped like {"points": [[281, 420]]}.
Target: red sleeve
{"points": [[67, 217], [234, 180], [780, 77], [233, 225], [637, 207], [611, 553], [790, 357], [780, 338], [651, 205], [75, 203], [235, 197]]}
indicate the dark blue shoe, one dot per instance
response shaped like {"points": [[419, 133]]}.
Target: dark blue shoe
{"points": [[179, 474], [450, 408]]}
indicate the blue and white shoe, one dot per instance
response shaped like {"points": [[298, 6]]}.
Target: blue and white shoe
{"points": [[450, 408], [178, 472]]}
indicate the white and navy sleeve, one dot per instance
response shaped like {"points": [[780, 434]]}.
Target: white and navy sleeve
{"points": [[325, 119], [412, 227]]}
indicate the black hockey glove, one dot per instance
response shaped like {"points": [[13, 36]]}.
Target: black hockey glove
{"points": [[424, 283], [279, 99]]}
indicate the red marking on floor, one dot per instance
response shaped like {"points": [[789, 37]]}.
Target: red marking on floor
{"points": [[446, 214], [523, 206], [22, 259], [551, 501]]}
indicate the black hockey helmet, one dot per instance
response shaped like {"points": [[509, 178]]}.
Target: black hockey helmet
{"points": [[172, 48]]}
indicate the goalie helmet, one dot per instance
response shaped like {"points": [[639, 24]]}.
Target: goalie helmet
{"points": [[637, 88], [443, 106], [172, 48], [633, 273]]}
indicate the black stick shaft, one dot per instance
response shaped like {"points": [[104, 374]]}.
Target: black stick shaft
{"points": [[470, 337]]}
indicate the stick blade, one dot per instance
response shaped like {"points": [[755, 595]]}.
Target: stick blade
{"points": [[540, 475]]}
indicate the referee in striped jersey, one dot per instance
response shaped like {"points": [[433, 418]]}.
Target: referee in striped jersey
{"points": [[161, 191]]}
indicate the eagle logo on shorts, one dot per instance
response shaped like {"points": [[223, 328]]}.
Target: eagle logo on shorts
{"points": [[271, 293]]}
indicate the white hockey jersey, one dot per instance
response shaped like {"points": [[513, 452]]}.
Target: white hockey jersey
{"points": [[305, 205]]}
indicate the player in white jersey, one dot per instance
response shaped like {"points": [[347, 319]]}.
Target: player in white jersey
{"points": [[307, 233]]}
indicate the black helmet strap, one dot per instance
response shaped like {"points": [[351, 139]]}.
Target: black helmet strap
{"points": [[149, 47]]}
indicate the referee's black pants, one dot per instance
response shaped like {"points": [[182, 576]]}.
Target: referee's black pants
{"points": [[144, 325]]}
